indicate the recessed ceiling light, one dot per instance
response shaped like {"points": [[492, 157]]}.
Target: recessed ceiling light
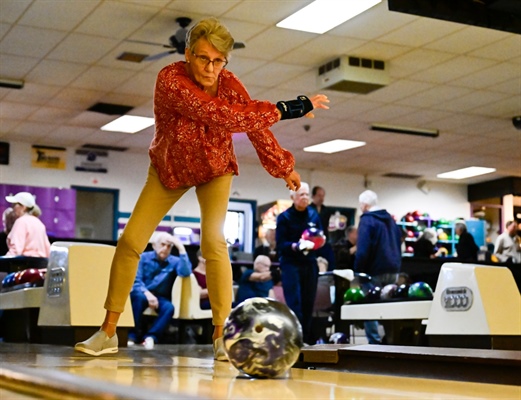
{"points": [[128, 124], [323, 15], [468, 172], [334, 146]]}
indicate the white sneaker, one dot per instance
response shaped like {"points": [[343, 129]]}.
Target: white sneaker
{"points": [[130, 343], [148, 343]]}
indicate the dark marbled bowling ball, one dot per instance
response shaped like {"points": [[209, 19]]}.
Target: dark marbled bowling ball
{"points": [[262, 338]]}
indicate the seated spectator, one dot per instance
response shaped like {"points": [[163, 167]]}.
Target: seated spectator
{"points": [[200, 274], [156, 273], [28, 236], [403, 278], [256, 282], [345, 249]]}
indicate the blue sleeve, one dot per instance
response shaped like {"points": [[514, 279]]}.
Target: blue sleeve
{"points": [[245, 277], [184, 266], [281, 235], [363, 247]]}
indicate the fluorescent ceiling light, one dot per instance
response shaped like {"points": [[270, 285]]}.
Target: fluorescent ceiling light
{"points": [[128, 124], [468, 172], [323, 15], [334, 146]]}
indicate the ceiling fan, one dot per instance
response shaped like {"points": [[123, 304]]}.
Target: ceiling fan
{"points": [[176, 42]]}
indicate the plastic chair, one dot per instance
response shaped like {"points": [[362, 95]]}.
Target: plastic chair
{"points": [[187, 293]]}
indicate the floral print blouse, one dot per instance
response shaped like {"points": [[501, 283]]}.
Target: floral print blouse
{"points": [[193, 130]]}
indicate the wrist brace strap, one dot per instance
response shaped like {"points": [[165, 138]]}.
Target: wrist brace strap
{"points": [[295, 108]]}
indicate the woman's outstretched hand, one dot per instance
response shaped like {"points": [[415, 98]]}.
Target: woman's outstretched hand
{"points": [[318, 101], [293, 181]]}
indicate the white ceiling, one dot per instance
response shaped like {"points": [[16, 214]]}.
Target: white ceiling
{"points": [[463, 80]]}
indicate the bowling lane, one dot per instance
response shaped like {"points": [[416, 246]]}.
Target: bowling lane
{"points": [[190, 370]]}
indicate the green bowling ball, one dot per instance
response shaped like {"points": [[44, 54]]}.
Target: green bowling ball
{"points": [[420, 290], [354, 295]]}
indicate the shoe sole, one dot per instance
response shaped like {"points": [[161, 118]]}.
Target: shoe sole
{"points": [[110, 350]]}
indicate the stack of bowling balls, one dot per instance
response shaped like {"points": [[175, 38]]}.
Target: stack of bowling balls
{"points": [[416, 291], [370, 293], [359, 289], [31, 277], [262, 338]]}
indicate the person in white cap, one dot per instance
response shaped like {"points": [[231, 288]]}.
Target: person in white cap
{"points": [[28, 237]]}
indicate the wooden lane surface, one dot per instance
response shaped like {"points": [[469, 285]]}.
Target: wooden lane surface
{"points": [[169, 373], [471, 365]]}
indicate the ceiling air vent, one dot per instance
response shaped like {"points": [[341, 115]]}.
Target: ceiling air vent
{"points": [[353, 74]]}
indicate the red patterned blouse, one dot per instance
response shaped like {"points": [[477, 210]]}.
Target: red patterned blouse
{"points": [[193, 135]]}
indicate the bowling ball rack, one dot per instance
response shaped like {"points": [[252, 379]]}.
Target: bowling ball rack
{"points": [[21, 286]]}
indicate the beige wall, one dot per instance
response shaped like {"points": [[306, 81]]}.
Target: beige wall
{"points": [[127, 172]]}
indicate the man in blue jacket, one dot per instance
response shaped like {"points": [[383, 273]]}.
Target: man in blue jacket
{"points": [[152, 288], [378, 250], [298, 260]]}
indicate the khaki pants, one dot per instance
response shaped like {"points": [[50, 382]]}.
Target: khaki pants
{"points": [[154, 202]]}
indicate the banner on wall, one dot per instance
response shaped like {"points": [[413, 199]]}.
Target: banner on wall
{"points": [[88, 160], [48, 157]]}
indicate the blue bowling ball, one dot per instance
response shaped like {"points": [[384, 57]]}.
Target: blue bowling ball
{"points": [[8, 281]]}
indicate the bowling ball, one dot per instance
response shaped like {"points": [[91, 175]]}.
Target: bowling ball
{"points": [[374, 293], [409, 249], [338, 338], [420, 290], [17, 277], [388, 291], [443, 236], [401, 292], [410, 234], [32, 276], [362, 277], [8, 280], [314, 235], [262, 337], [353, 295]]}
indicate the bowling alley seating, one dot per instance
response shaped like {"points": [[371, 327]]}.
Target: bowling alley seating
{"points": [[186, 296]]}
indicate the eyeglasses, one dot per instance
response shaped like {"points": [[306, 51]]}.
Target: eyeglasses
{"points": [[204, 61]]}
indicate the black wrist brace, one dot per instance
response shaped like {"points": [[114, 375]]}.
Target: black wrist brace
{"points": [[295, 108]]}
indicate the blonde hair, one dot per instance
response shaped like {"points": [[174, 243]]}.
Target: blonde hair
{"points": [[213, 31]]}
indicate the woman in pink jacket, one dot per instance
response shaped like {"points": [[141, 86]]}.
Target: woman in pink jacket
{"points": [[28, 236]]}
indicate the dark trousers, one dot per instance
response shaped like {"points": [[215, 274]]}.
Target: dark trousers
{"points": [[299, 283], [165, 311]]}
